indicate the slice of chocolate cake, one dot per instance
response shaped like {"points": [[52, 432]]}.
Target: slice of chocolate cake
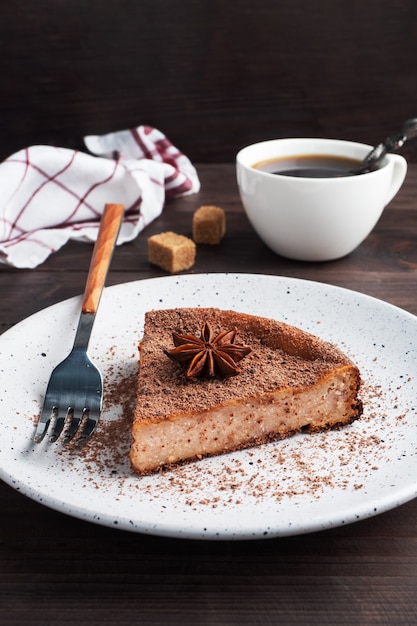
{"points": [[213, 381]]}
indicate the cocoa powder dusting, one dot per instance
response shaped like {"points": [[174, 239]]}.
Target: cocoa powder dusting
{"points": [[301, 467], [266, 367]]}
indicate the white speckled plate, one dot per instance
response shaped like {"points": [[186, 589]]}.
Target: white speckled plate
{"points": [[303, 484]]}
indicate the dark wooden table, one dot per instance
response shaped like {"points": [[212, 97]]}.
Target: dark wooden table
{"points": [[55, 569]]}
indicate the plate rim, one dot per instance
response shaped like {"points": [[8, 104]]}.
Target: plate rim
{"points": [[167, 530]]}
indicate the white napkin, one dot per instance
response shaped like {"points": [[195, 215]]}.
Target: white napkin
{"points": [[50, 195]]}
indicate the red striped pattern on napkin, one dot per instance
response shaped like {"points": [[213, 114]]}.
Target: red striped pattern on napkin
{"points": [[50, 195]]}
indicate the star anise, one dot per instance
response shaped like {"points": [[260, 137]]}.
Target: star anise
{"points": [[209, 354]]}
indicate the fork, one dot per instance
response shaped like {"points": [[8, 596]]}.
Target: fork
{"points": [[74, 394]]}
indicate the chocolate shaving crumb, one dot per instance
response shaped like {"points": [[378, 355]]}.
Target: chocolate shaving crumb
{"points": [[304, 466]]}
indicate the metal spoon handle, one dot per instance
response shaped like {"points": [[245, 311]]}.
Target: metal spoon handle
{"points": [[410, 128], [394, 142]]}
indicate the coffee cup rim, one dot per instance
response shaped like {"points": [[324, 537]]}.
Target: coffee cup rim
{"points": [[358, 150]]}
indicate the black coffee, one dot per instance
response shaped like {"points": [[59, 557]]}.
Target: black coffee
{"points": [[308, 165]]}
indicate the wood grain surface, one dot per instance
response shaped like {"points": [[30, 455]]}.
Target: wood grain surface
{"points": [[55, 569], [212, 75]]}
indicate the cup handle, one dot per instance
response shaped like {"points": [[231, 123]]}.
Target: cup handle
{"points": [[398, 175]]}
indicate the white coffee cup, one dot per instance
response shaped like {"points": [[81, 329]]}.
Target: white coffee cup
{"points": [[315, 219]]}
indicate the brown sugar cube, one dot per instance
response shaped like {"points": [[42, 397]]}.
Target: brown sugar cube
{"points": [[172, 252], [209, 224]]}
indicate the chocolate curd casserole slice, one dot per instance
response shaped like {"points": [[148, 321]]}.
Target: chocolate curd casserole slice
{"points": [[213, 381]]}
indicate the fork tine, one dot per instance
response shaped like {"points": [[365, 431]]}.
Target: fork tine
{"points": [[89, 425], [60, 424], [72, 426], [82, 427], [68, 427], [43, 423]]}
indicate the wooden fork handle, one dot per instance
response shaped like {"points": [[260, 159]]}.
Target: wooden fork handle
{"points": [[102, 254]]}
